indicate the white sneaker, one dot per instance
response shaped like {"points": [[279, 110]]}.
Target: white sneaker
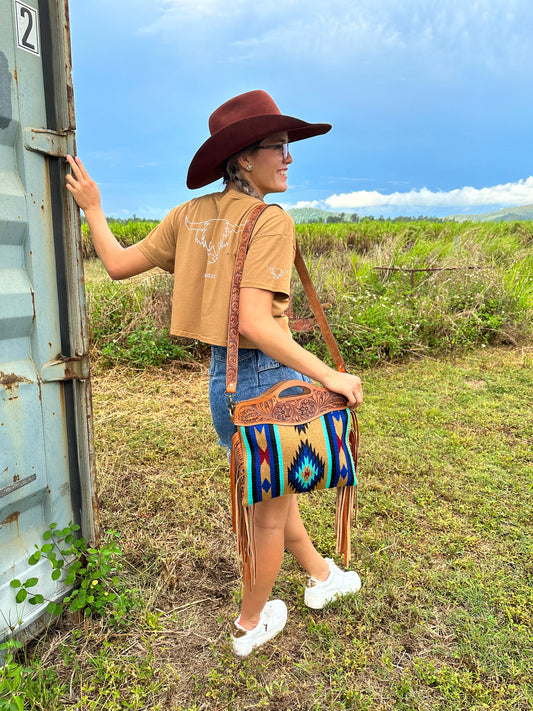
{"points": [[272, 621], [339, 583]]}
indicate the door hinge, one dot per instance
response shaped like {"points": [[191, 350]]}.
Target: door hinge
{"points": [[50, 143], [74, 368]]}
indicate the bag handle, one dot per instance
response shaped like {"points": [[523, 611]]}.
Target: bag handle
{"points": [[232, 357], [275, 406]]}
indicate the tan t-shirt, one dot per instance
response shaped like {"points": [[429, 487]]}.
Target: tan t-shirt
{"points": [[198, 241]]}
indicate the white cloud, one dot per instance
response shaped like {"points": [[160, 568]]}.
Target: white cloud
{"points": [[178, 18], [507, 195], [174, 10], [308, 203], [301, 203]]}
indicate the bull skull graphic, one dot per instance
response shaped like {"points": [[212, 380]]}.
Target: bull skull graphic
{"points": [[205, 231]]}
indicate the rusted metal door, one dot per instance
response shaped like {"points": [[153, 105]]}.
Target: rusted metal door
{"points": [[46, 473]]}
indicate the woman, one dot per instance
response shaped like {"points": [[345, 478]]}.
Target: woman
{"points": [[248, 148]]}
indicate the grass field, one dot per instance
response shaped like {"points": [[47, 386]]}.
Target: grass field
{"points": [[444, 538], [443, 543]]}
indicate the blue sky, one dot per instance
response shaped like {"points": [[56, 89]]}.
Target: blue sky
{"points": [[430, 101]]}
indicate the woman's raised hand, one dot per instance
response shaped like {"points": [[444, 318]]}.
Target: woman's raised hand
{"points": [[346, 384], [81, 186]]}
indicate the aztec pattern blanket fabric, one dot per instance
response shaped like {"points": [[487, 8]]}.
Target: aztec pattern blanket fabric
{"points": [[280, 459]]}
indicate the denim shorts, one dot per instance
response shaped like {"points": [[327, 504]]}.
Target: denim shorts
{"points": [[257, 372]]}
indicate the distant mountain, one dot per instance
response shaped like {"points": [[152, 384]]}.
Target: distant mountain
{"points": [[305, 215], [506, 214]]}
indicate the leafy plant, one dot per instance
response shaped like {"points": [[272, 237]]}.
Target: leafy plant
{"points": [[90, 571], [127, 232], [146, 345], [11, 678], [395, 290]]}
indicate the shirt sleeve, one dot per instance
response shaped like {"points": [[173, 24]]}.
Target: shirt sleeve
{"points": [[270, 256], [159, 246]]}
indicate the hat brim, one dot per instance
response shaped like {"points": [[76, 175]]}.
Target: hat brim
{"points": [[208, 162]]}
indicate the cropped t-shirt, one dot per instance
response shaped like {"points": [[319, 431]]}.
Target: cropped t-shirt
{"points": [[198, 242]]}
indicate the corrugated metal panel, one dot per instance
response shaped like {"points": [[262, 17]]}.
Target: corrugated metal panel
{"points": [[46, 459]]}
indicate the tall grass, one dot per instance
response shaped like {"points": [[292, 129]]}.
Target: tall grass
{"points": [[398, 290], [127, 232], [394, 291], [128, 321]]}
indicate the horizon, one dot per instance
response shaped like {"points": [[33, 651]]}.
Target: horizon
{"points": [[477, 217]]}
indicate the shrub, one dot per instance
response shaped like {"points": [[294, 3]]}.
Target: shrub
{"points": [[128, 320], [145, 345], [393, 289], [127, 232]]}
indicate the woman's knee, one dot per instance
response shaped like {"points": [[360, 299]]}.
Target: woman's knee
{"points": [[272, 515]]}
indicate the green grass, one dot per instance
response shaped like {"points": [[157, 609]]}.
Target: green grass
{"points": [[399, 291], [443, 543], [128, 320], [444, 538]]}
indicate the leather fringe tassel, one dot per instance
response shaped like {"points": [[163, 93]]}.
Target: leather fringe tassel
{"points": [[344, 508], [243, 524], [347, 501]]}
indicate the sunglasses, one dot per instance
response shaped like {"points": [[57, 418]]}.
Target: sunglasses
{"points": [[283, 147]]}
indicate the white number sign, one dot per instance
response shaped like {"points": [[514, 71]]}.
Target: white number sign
{"points": [[27, 27]]}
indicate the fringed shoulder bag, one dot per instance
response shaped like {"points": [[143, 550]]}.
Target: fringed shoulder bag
{"points": [[295, 438]]}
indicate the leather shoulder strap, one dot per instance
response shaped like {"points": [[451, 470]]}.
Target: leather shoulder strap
{"points": [[318, 311], [232, 357]]}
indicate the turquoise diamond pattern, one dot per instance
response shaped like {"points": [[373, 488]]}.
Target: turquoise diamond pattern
{"points": [[306, 469]]}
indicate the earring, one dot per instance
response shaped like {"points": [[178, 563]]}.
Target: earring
{"points": [[249, 167]]}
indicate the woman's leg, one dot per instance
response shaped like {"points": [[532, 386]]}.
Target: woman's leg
{"points": [[278, 525], [298, 543], [270, 520], [326, 581]]}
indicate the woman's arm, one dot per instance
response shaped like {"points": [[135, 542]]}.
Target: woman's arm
{"points": [[257, 325], [120, 262]]}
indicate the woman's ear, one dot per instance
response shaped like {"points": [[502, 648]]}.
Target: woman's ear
{"points": [[243, 161]]}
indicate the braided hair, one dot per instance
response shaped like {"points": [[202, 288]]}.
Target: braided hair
{"points": [[233, 176]]}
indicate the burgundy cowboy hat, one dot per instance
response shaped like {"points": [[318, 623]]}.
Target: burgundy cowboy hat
{"points": [[238, 123]]}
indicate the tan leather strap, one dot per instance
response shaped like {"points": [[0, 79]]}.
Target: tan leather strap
{"points": [[232, 357], [318, 311]]}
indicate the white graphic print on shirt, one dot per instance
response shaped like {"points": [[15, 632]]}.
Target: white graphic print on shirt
{"points": [[214, 235], [276, 272]]}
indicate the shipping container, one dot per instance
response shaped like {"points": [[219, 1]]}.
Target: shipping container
{"points": [[46, 446]]}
